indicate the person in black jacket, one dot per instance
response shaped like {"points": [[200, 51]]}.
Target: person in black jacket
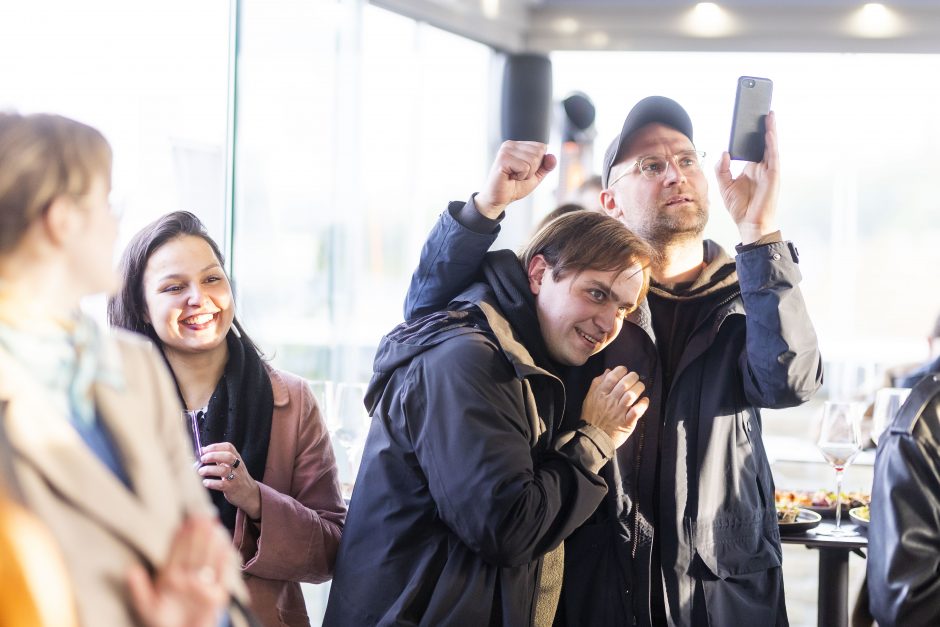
{"points": [[468, 484], [687, 534], [904, 532]]}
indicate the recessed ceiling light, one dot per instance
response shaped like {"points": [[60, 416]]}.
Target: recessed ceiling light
{"points": [[490, 8], [707, 19], [875, 20], [566, 25], [597, 39]]}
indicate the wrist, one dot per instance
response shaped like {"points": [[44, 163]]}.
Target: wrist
{"points": [[750, 233], [253, 511], [487, 208]]}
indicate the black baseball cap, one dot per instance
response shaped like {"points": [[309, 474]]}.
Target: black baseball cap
{"points": [[647, 111]]}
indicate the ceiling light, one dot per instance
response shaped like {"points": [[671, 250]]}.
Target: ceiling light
{"points": [[875, 20], [707, 19], [567, 25], [490, 9], [597, 39]]}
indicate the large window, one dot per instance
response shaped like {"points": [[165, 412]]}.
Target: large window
{"points": [[355, 127], [154, 81]]}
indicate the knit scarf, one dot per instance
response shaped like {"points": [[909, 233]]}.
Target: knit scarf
{"points": [[240, 412]]}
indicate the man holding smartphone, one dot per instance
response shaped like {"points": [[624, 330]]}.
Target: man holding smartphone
{"points": [[687, 534]]}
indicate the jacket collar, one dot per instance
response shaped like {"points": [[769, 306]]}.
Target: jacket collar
{"points": [[278, 387], [481, 296], [53, 449]]}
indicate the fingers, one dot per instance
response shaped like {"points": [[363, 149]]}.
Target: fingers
{"points": [[521, 160], [608, 381], [630, 388], [143, 593], [548, 164], [771, 156], [723, 170]]}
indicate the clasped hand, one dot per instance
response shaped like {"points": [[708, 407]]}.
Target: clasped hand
{"points": [[614, 403]]}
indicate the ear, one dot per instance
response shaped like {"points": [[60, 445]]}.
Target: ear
{"points": [[609, 204], [59, 220], [537, 268]]}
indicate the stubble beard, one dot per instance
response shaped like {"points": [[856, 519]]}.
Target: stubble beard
{"points": [[663, 229]]}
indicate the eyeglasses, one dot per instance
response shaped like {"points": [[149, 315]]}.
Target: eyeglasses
{"points": [[655, 166]]}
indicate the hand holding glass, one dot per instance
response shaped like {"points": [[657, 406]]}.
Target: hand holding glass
{"points": [[839, 443]]}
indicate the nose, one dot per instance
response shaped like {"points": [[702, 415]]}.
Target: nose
{"points": [[606, 319], [195, 296], [673, 173]]}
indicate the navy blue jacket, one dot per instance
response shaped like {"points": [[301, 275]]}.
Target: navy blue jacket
{"points": [[466, 481], [716, 523]]}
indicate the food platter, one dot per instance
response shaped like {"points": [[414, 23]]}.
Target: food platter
{"points": [[805, 520], [821, 501], [859, 515]]}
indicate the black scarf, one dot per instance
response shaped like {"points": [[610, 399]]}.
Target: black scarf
{"points": [[240, 412]]}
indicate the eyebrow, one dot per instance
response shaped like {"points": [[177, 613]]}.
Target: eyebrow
{"points": [[167, 277], [610, 293]]}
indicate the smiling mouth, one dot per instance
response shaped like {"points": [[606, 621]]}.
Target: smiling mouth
{"points": [[588, 338], [198, 319]]}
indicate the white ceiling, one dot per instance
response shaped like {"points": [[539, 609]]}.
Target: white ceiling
{"points": [[732, 25]]}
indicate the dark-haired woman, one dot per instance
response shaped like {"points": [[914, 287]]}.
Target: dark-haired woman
{"points": [[265, 452]]}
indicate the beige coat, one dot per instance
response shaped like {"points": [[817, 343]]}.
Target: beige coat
{"points": [[101, 526], [302, 509]]}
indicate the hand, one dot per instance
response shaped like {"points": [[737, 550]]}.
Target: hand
{"points": [[518, 169], [613, 403], [223, 461], [751, 199], [189, 589]]}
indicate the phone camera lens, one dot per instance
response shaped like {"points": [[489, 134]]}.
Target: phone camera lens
{"points": [[749, 82]]}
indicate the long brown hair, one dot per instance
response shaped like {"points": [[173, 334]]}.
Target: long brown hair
{"points": [[127, 309]]}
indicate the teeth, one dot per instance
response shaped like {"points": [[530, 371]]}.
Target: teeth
{"points": [[200, 319], [588, 337]]}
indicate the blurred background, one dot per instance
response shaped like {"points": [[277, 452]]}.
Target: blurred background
{"points": [[320, 139]]}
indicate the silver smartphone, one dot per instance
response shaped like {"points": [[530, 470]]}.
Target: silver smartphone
{"points": [[751, 106]]}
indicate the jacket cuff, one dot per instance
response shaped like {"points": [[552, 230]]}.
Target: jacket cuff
{"points": [[467, 215], [769, 265], [588, 447], [770, 238]]}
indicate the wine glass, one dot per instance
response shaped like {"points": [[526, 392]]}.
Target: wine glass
{"points": [[323, 392], [348, 428], [887, 403], [839, 443]]}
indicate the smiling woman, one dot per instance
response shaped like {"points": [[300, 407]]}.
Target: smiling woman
{"points": [[257, 431]]}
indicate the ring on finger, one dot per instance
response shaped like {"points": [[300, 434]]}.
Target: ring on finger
{"points": [[236, 463], [230, 476]]}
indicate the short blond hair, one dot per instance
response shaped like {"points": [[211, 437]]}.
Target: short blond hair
{"points": [[44, 156]]}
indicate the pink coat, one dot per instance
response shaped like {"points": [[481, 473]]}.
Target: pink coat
{"points": [[302, 510]]}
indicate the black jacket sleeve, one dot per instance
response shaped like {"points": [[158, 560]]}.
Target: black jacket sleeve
{"points": [[904, 533]]}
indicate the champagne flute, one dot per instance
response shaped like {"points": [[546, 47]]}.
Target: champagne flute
{"points": [[351, 423], [887, 403], [839, 443]]}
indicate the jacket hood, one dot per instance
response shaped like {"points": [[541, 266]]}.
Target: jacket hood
{"points": [[717, 277], [410, 339], [502, 306]]}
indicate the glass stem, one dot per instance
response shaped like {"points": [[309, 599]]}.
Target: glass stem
{"points": [[839, 471]]}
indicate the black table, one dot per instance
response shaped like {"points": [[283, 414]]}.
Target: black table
{"points": [[833, 598]]}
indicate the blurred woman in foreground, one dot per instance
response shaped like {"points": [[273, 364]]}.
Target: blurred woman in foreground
{"points": [[97, 447], [266, 453]]}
